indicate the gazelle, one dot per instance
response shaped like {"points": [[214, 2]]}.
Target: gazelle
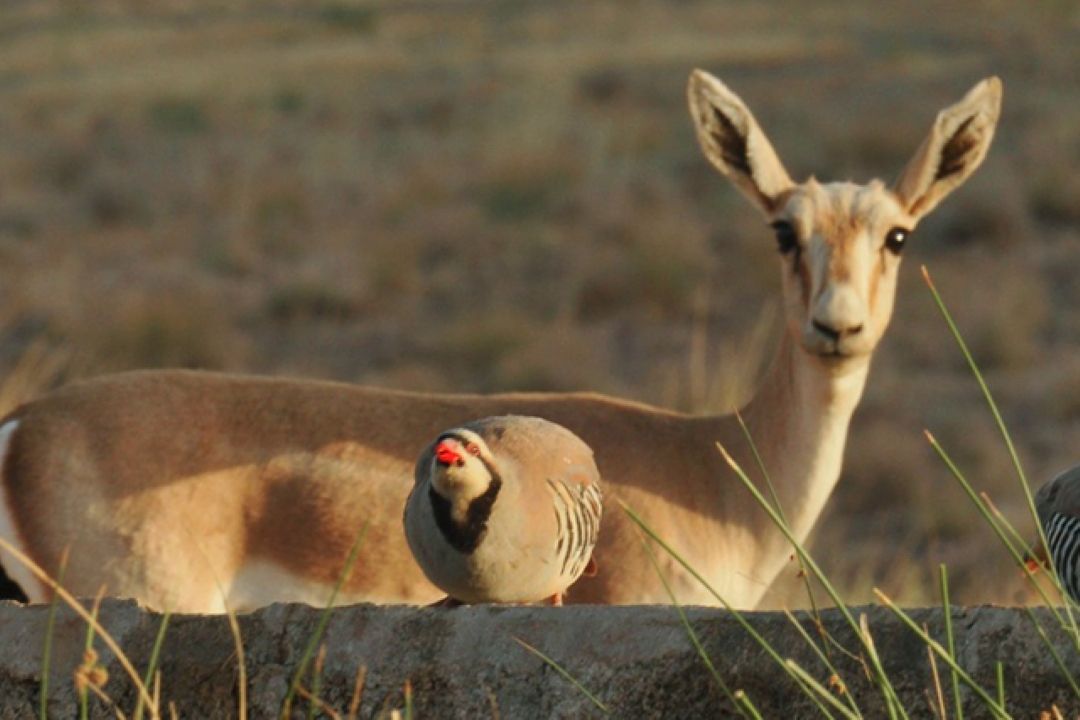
{"points": [[190, 490]]}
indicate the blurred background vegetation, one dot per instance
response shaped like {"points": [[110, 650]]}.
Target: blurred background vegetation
{"points": [[475, 196]]}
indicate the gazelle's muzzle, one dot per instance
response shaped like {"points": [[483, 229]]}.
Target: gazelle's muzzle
{"points": [[836, 322]]}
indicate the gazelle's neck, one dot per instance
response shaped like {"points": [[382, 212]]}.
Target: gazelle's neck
{"points": [[799, 421], [840, 245]]}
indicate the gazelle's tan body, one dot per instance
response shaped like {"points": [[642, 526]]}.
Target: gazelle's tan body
{"points": [[273, 508], [189, 490]]}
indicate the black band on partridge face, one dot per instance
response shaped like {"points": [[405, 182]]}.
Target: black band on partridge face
{"points": [[465, 536]]}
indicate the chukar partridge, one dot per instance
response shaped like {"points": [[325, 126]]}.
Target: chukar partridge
{"points": [[504, 510], [1058, 506]]}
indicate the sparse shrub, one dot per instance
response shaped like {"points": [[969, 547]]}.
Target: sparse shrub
{"points": [[654, 260], [17, 224], [999, 297], [1013, 336], [66, 168], [526, 184], [884, 467], [353, 18], [601, 294], [159, 331], [665, 276], [1055, 195], [281, 220], [860, 150], [392, 270], [113, 203], [473, 348], [990, 213], [289, 102], [310, 301], [603, 86], [556, 357], [229, 258], [1061, 396], [179, 116], [514, 203]]}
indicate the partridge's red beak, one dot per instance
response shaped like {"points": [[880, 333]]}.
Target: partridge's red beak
{"points": [[446, 454]]}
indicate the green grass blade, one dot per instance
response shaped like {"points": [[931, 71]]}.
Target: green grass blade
{"points": [[982, 382], [46, 657], [1001, 683], [155, 653], [234, 628], [893, 705], [241, 679], [892, 701], [761, 466], [942, 653], [825, 659], [46, 652], [805, 575], [939, 694], [1002, 536], [70, 600], [324, 620], [946, 608], [1002, 429], [566, 675], [780, 511], [1003, 523], [747, 705], [1058, 660], [738, 616], [316, 682], [821, 690], [694, 639], [408, 701], [84, 694]]}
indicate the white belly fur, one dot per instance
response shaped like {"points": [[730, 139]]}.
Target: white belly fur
{"points": [[259, 583], [15, 570]]}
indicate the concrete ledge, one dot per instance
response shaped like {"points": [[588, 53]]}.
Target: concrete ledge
{"points": [[463, 663]]}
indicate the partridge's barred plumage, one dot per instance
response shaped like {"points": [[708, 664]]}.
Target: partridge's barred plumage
{"points": [[1058, 506], [505, 509]]}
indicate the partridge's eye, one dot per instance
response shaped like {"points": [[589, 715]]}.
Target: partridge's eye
{"points": [[786, 237], [473, 448], [895, 239]]}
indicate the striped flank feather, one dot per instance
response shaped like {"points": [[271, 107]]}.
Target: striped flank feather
{"points": [[577, 516], [1063, 538]]}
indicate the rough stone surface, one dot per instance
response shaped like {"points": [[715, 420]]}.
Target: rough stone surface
{"points": [[465, 663]]}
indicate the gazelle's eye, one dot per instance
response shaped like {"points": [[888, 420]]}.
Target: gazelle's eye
{"points": [[473, 448], [786, 237], [895, 239]]}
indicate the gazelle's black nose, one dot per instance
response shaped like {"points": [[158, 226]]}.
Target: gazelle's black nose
{"points": [[835, 334]]}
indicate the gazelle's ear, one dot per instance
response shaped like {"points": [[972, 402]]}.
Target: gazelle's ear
{"points": [[956, 145], [733, 141]]}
